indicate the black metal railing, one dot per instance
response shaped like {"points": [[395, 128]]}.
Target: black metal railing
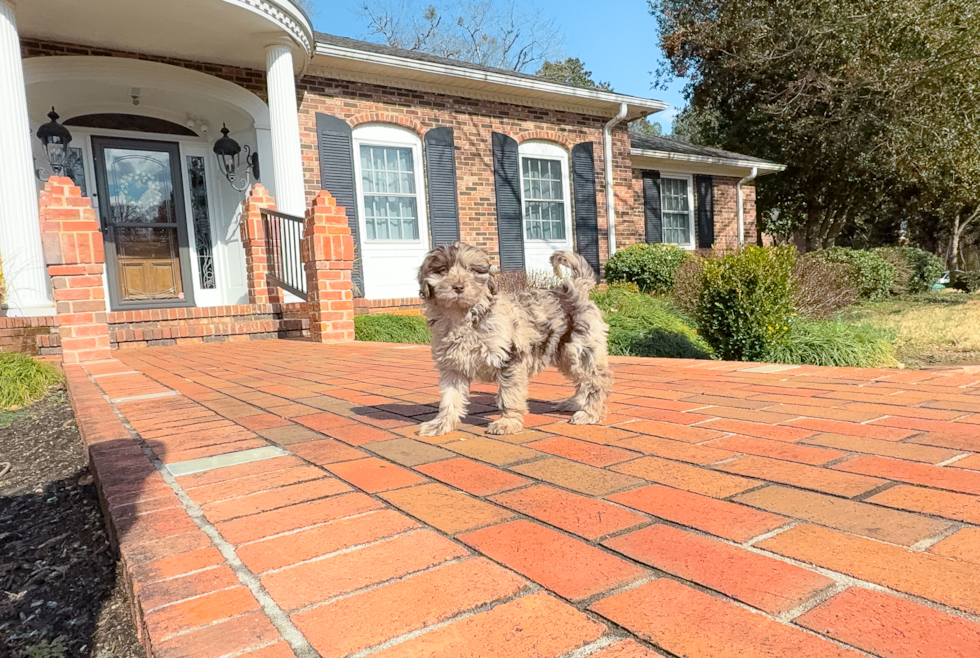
{"points": [[283, 235]]}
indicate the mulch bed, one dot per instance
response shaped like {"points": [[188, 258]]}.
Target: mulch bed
{"points": [[61, 592]]}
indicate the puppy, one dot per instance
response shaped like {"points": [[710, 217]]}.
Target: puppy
{"points": [[480, 334]]}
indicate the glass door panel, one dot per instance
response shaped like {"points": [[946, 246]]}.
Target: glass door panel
{"points": [[142, 209]]}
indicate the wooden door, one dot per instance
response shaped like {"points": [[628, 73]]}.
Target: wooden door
{"points": [[141, 205]]}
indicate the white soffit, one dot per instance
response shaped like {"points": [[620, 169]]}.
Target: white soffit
{"points": [[345, 63], [648, 159]]}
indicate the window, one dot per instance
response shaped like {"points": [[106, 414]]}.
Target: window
{"points": [[544, 202], [545, 194], [389, 189], [677, 210]]}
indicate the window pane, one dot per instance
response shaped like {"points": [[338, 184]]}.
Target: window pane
{"points": [[544, 207], [390, 204]]}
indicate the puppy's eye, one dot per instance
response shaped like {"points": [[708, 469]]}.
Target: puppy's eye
{"points": [[439, 270], [480, 269]]}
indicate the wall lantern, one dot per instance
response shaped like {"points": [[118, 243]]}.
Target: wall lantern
{"points": [[228, 152], [55, 139]]}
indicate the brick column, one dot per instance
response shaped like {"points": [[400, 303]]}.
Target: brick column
{"points": [[260, 291], [327, 253], [75, 259]]}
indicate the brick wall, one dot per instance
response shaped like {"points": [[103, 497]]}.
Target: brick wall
{"points": [[408, 306], [30, 335], [631, 223], [216, 324], [473, 121]]}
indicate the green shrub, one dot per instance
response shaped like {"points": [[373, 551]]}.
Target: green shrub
{"points": [[384, 328], [966, 281], [926, 267], [641, 325], [23, 379], [650, 266], [834, 344], [874, 275], [746, 301], [903, 274]]}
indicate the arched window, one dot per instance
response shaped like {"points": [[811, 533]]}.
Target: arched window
{"points": [[546, 201], [391, 203], [132, 122]]}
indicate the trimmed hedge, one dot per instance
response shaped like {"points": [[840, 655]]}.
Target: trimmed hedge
{"points": [[650, 266], [745, 304], [873, 274]]}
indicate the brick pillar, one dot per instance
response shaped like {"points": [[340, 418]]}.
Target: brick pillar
{"points": [[260, 291], [75, 259], [327, 253]]}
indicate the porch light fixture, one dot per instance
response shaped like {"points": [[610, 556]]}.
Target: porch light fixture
{"points": [[228, 152], [55, 139]]}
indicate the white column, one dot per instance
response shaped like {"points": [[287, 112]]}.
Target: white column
{"points": [[24, 273], [287, 159]]}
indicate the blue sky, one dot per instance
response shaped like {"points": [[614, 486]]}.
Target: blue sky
{"points": [[617, 40]]}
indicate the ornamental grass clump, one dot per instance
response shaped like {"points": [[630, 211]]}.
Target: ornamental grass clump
{"points": [[745, 305], [24, 379]]}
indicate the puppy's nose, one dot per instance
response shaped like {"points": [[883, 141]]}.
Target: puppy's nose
{"points": [[458, 287]]}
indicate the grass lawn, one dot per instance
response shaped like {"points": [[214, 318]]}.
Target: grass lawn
{"points": [[930, 329]]}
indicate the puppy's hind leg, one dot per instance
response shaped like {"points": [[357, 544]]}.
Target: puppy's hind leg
{"points": [[455, 391], [511, 400], [590, 373]]}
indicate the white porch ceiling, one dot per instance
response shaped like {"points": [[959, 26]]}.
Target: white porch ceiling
{"points": [[233, 32]]}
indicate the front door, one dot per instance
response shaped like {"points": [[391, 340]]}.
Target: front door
{"points": [[141, 204]]}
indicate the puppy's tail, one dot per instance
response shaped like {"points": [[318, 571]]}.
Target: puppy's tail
{"points": [[582, 272]]}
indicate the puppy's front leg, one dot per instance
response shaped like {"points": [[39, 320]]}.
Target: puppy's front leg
{"points": [[511, 399], [455, 391]]}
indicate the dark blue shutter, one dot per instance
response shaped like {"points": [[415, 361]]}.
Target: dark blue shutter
{"points": [[586, 211], [440, 167], [653, 218], [510, 218], [705, 211], [335, 145]]}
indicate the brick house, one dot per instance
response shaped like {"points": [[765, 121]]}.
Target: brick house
{"points": [[419, 150]]}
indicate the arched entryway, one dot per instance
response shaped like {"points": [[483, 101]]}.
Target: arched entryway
{"points": [[143, 134]]}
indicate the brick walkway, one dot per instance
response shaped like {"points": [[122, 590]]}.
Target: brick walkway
{"points": [[724, 510]]}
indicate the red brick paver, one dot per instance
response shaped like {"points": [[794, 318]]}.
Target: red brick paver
{"points": [[810, 511]]}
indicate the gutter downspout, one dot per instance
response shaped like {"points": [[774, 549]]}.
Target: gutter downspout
{"points": [[607, 162], [738, 203]]}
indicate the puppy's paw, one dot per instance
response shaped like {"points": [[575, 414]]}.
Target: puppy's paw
{"points": [[585, 418], [571, 404], [436, 427], [506, 426]]}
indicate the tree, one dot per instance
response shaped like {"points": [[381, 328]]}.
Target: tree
{"points": [[871, 104], [510, 36], [644, 126], [571, 71]]}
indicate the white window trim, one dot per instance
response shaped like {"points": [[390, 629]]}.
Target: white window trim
{"points": [[385, 135], [692, 212], [547, 151]]}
